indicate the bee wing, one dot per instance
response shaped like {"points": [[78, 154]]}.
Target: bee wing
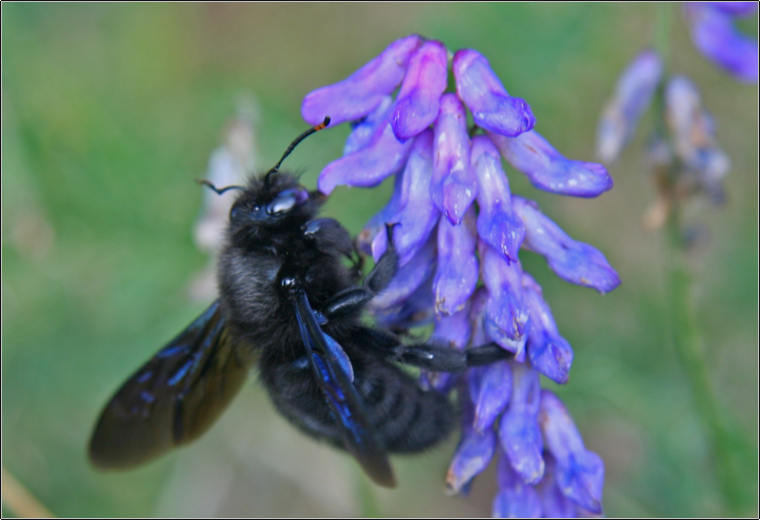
{"points": [[174, 398], [328, 362]]}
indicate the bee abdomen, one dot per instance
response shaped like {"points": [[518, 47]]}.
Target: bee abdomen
{"points": [[407, 418]]}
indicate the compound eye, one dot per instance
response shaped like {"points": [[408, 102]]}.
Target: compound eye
{"points": [[287, 200]]}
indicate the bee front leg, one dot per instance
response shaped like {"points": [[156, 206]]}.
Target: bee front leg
{"points": [[354, 300]]}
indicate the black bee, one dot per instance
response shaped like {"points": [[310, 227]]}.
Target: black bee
{"points": [[290, 304]]}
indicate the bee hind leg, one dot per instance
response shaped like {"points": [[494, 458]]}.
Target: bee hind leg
{"points": [[434, 357]]}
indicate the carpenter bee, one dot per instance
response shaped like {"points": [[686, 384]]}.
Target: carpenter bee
{"points": [[290, 304]]}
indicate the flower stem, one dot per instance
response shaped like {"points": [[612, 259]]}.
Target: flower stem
{"points": [[730, 451]]}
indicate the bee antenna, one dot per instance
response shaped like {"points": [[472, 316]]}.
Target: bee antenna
{"points": [[219, 191], [292, 146]]}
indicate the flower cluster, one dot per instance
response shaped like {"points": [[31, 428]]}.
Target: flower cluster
{"points": [[458, 231], [714, 34]]}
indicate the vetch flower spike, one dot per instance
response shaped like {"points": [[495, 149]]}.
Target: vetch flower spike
{"points": [[632, 96], [573, 261], [418, 100], [548, 170], [359, 94], [448, 245], [492, 108]]}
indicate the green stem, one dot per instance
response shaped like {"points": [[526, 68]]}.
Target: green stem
{"points": [[730, 451]]}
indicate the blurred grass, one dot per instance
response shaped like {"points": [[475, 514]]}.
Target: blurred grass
{"points": [[110, 111]]}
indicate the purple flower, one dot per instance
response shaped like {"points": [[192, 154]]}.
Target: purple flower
{"points": [[714, 34], [418, 100], [632, 96], [458, 230], [515, 498], [519, 432], [363, 91], [573, 261], [498, 226], [492, 108], [579, 472], [548, 170], [472, 456], [453, 185], [548, 352]]}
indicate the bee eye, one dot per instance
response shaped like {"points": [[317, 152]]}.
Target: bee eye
{"points": [[286, 200]]}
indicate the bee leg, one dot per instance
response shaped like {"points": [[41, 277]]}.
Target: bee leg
{"points": [[385, 269], [353, 300], [435, 357]]}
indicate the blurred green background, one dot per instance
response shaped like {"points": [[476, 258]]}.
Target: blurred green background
{"points": [[109, 112]]}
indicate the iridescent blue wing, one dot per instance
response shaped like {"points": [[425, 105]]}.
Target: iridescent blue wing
{"points": [[334, 378], [175, 397]]}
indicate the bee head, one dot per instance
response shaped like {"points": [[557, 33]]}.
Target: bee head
{"points": [[272, 200]]}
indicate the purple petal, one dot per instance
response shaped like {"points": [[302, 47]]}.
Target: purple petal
{"points": [[549, 353], [414, 311], [553, 502], [573, 261], [479, 301], [490, 388], [714, 34], [408, 278], [480, 89], [418, 99], [580, 473], [457, 272], [497, 223], [453, 185], [515, 499], [363, 130], [633, 95], [473, 455], [518, 431], [419, 215], [359, 94], [506, 316], [377, 223], [383, 156], [548, 170]]}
